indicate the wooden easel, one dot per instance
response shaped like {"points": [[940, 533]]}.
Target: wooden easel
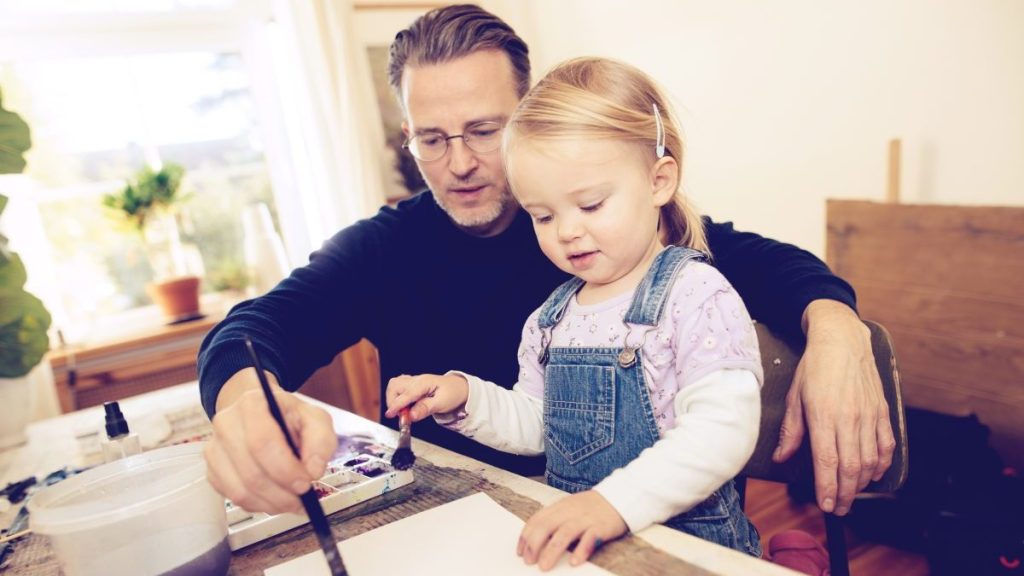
{"points": [[892, 191]]}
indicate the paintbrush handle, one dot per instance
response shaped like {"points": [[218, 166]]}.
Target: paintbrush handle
{"points": [[275, 410], [404, 428], [15, 536], [310, 501], [322, 529]]}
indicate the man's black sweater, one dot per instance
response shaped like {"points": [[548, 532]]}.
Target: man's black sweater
{"points": [[432, 298]]}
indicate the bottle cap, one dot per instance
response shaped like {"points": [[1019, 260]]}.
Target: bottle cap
{"points": [[116, 424]]}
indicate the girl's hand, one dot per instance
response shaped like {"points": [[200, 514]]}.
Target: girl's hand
{"points": [[586, 518], [427, 394]]}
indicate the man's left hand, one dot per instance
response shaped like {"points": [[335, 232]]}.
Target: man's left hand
{"points": [[837, 391]]}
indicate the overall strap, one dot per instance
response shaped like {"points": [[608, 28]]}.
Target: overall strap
{"points": [[652, 293], [554, 307], [552, 311]]}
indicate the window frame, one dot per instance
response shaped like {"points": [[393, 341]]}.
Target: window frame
{"points": [[245, 28]]}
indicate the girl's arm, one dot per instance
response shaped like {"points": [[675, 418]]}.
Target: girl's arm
{"points": [[717, 421], [506, 420]]}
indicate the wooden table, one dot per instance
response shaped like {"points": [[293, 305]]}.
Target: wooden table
{"points": [[441, 476]]}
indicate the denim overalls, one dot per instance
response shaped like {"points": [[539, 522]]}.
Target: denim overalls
{"points": [[597, 408]]}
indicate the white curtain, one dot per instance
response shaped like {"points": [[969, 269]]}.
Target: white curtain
{"points": [[325, 171]]}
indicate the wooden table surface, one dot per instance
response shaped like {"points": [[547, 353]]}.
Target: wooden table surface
{"points": [[441, 476]]}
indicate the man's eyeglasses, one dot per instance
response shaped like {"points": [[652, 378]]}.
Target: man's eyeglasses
{"points": [[482, 137]]}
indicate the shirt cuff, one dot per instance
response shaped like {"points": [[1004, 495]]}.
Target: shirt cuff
{"points": [[454, 420]]}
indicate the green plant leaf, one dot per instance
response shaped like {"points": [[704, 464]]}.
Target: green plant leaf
{"points": [[23, 341], [23, 318], [15, 140], [149, 192], [12, 272]]}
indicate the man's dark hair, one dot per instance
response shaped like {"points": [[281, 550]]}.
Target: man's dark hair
{"points": [[444, 34]]}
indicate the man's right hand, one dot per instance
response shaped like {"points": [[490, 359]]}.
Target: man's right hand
{"points": [[248, 459]]}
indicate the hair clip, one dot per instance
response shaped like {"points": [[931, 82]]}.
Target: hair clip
{"points": [[659, 146]]}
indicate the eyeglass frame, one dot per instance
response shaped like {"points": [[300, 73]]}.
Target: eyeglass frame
{"points": [[407, 145]]}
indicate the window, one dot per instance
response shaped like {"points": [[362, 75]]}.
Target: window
{"points": [[98, 118], [107, 6]]}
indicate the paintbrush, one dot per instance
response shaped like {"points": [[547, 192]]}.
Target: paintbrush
{"points": [[309, 500], [403, 457]]}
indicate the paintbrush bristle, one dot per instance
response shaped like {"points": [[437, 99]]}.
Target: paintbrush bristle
{"points": [[403, 459]]}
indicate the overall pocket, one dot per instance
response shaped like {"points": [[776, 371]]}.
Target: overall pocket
{"points": [[579, 409]]}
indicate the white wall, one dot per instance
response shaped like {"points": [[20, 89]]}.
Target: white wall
{"points": [[785, 103]]}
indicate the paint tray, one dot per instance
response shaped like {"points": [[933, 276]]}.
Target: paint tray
{"points": [[360, 470]]}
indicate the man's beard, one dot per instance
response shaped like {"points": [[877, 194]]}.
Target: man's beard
{"points": [[480, 217]]}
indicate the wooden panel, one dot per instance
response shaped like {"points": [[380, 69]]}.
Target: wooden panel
{"points": [[947, 282], [350, 382], [362, 370], [951, 314], [969, 250], [329, 385]]}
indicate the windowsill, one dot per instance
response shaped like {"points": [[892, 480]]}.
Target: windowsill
{"points": [[139, 327]]}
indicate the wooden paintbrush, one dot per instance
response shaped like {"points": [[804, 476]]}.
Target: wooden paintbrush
{"points": [[309, 500], [403, 457]]}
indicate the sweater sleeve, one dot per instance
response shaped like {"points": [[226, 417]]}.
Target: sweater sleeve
{"points": [[717, 420], [776, 281], [303, 322], [506, 420]]}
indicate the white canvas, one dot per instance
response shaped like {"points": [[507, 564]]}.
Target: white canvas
{"points": [[473, 535]]}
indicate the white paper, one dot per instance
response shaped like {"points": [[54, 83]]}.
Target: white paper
{"points": [[473, 535]]}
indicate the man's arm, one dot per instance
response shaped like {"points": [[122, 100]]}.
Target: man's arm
{"points": [[297, 327], [838, 393], [300, 325], [836, 390], [777, 281]]}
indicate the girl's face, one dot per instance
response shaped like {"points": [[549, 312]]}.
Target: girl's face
{"points": [[594, 205]]}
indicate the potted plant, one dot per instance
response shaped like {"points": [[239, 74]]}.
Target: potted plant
{"points": [[23, 318], [148, 204]]}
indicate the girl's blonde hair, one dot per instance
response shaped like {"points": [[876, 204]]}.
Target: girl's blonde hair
{"points": [[600, 98]]}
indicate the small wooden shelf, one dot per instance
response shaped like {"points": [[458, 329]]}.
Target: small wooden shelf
{"points": [[166, 355], [141, 362]]}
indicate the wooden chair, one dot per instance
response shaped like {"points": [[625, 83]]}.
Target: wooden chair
{"points": [[780, 358]]}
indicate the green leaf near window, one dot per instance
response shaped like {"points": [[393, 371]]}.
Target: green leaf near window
{"points": [[15, 140], [23, 318], [12, 271], [23, 339]]}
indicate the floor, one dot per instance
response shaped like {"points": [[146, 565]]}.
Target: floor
{"points": [[772, 511]]}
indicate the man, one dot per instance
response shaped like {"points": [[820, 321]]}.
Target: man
{"points": [[447, 279]]}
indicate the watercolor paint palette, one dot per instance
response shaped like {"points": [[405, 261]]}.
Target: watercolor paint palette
{"points": [[359, 471]]}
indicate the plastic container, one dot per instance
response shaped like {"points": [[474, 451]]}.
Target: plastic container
{"points": [[149, 514]]}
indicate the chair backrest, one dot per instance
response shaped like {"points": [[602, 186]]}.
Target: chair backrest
{"points": [[779, 358]]}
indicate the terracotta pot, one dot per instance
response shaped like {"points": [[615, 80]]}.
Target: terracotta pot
{"points": [[177, 298]]}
